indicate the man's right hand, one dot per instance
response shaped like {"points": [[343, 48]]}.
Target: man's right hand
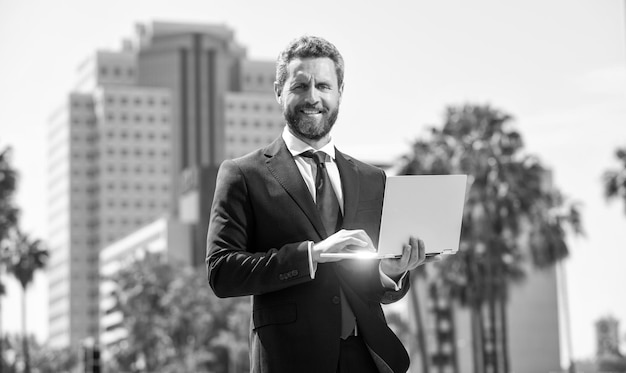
{"points": [[343, 241]]}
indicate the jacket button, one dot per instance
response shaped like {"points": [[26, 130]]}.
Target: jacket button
{"points": [[336, 299]]}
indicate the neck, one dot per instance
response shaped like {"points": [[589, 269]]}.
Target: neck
{"points": [[315, 144]]}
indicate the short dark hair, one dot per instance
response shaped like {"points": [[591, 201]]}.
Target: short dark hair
{"points": [[308, 47]]}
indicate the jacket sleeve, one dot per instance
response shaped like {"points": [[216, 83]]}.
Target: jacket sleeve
{"points": [[235, 267]]}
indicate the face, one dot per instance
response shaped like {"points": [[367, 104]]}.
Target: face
{"points": [[310, 98]]}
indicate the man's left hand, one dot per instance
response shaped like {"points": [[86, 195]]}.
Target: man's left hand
{"points": [[413, 255]]}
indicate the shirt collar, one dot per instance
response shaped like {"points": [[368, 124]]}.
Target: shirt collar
{"points": [[297, 146]]}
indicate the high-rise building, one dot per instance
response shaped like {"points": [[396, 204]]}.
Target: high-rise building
{"points": [[141, 134]]}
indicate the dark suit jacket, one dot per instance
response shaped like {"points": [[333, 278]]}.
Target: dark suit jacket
{"points": [[261, 219]]}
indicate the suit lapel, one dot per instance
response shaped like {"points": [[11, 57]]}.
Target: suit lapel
{"points": [[283, 168], [350, 185]]}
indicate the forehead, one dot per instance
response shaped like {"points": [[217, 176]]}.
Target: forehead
{"points": [[307, 68]]}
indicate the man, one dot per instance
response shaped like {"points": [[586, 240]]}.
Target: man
{"points": [[278, 213]]}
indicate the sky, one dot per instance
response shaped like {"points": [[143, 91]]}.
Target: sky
{"points": [[557, 66]]}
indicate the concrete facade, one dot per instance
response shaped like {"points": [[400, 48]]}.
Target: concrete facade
{"points": [[142, 134]]}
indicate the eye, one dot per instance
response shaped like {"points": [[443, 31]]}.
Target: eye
{"points": [[298, 86]]}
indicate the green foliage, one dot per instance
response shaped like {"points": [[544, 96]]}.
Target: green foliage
{"points": [[175, 323], [614, 180]]}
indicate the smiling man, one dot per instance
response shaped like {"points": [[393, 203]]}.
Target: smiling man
{"points": [[278, 210]]}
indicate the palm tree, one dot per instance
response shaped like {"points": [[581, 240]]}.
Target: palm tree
{"points": [[8, 219], [26, 257], [8, 181], [615, 180], [510, 202]]}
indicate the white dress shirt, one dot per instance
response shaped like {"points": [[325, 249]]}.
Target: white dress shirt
{"points": [[308, 170]]}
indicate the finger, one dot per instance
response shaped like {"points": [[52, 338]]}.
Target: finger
{"points": [[406, 256], [352, 244], [434, 258], [414, 260], [362, 235]]}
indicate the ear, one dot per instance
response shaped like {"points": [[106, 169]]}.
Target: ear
{"points": [[340, 92], [278, 92]]}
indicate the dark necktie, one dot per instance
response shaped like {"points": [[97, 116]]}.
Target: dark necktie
{"points": [[325, 197], [328, 207]]}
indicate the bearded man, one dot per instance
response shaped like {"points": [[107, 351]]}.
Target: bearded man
{"points": [[277, 214]]}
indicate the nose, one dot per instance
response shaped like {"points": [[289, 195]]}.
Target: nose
{"points": [[312, 95]]}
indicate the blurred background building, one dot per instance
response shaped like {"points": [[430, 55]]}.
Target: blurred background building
{"points": [[138, 138]]}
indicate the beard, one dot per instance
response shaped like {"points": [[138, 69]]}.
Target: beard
{"points": [[308, 127]]}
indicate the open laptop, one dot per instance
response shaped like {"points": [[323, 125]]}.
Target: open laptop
{"points": [[429, 207]]}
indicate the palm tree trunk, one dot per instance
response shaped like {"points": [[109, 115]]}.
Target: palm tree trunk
{"points": [[24, 336], [504, 335], [477, 338], [421, 339], [1, 339], [493, 336]]}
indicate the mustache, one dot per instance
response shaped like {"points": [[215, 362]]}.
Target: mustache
{"points": [[311, 107]]}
